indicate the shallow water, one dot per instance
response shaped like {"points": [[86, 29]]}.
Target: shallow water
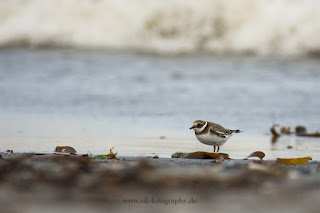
{"points": [[93, 100]]}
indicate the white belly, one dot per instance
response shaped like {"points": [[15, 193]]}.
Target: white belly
{"points": [[212, 139]]}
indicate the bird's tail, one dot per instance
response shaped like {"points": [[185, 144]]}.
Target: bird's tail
{"points": [[237, 131]]}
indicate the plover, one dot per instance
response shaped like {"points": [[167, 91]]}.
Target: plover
{"points": [[211, 133]]}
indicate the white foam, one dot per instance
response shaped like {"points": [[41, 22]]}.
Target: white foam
{"points": [[262, 27]]}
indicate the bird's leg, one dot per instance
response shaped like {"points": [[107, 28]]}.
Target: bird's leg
{"points": [[214, 148], [218, 149]]}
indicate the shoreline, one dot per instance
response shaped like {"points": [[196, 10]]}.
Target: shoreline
{"points": [[126, 146]]}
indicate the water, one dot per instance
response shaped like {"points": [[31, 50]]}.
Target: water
{"points": [[144, 104]]}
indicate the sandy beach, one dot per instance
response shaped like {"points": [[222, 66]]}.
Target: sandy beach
{"points": [[79, 183], [131, 77]]}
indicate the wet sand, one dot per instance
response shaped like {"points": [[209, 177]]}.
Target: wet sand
{"points": [[77, 183], [93, 95]]}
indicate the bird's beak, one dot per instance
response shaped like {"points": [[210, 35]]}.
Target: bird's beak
{"points": [[192, 127]]}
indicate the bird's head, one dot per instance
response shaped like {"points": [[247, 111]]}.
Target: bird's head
{"points": [[198, 125]]}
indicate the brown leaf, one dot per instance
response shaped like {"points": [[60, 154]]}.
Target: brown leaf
{"points": [[65, 149], [204, 155], [112, 155], [300, 130], [274, 131], [178, 154], [285, 130], [293, 161], [316, 134], [258, 154]]}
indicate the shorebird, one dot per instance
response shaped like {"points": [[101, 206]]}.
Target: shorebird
{"points": [[211, 133]]}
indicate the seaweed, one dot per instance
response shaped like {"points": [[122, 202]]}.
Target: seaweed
{"points": [[300, 131], [110, 155]]}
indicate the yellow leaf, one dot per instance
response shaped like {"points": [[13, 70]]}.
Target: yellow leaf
{"points": [[293, 161]]}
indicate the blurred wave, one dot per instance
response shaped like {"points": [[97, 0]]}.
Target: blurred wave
{"points": [[259, 27]]}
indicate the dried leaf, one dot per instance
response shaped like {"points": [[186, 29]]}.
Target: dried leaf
{"points": [[258, 154], [111, 155], [9, 151], [205, 155], [316, 134], [300, 130], [156, 156], [274, 131], [293, 161], [65, 149], [178, 154], [285, 130]]}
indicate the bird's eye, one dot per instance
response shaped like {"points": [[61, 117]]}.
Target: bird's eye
{"points": [[199, 125]]}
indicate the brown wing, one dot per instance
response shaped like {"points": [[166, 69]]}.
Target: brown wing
{"points": [[217, 133], [219, 128], [221, 131]]}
